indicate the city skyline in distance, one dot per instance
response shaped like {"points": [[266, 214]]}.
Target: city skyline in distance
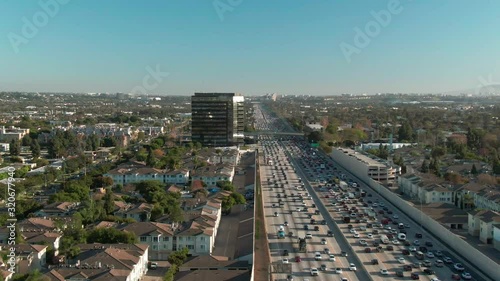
{"points": [[250, 47]]}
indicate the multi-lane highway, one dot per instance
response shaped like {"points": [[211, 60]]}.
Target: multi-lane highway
{"points": [[309, 178], [280, 179]]}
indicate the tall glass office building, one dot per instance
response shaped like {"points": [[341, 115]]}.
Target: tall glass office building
{"points": [[218, 119]]}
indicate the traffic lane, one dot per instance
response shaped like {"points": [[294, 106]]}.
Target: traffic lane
{"points": [[316, 246], [392, 256], [443, 272], [436, 241], [360, 274]]}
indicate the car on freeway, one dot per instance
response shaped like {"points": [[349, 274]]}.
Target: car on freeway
{"points": [[323, 241], [298, 259], [352, 267], [438, 253], [400, 273], [384, 271], [430, 255], [314, 271], [407, 267], [401, 260], [344, 253], [458, 267], [466, 276], [412, 249], [317, 256], [447, 260], [326, 251], [455, 276], [285, 252], [435, 279], [374, 261], [439, 263], [286, 261], [427, 263], [416, 243], [338, 270], [429, 244], [331, 257], [415, 276], [429, 271], [363, 242], [323, 267]]}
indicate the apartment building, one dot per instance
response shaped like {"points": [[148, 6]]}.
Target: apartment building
{"points": [[211, 174], [158, 236], [479, 195], [481, 223], [104, 262], [12, 133], [133, 172], [427, 188]]}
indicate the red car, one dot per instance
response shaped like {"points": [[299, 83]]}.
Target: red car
{"points": [[298, 259]]}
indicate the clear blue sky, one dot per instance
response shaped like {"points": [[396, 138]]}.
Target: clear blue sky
{"points": [[260, 46]]}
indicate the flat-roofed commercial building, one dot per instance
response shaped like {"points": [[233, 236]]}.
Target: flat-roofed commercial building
{"points": [[364, 165], [218, 119]]}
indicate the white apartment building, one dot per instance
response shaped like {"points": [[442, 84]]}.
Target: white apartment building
{"points": [[426, 189]]}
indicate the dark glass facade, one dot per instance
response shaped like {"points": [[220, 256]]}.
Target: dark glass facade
{"points": [[218, 119]]}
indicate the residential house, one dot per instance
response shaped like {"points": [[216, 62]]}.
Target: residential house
{"points": [[480, 195], [158, 236], [208, 267], [6, 274], [104, 262], [212, 174], [138, 212], [195, 236], [30, 257], [58, 209], [134, 171], [481, 224]]}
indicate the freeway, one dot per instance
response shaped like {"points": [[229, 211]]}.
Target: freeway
{"points": [[280, 179]]}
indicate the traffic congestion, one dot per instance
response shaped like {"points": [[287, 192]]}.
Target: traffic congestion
{"points": [[323, 224]]}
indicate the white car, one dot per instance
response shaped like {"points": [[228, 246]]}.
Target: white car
{"points": [[352, 267], [352, 230], [317, 256], [401, 260], [430, 255], [356, 235], [363, 242], [314, 271], [323, 241], [331, 258], [412, 249], [286, 261], [338, 270], [384, 271], [395, 217], [435, 279], [369, 235], [395, 242], [466, 276]]}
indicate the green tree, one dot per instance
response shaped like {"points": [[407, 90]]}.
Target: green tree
{"points": [[405, 132], [15, 148], [35, 149], [111, 236], [474, 170], [425, 167]]}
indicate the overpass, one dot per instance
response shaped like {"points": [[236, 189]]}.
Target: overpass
{"points": [[273, 133]]}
